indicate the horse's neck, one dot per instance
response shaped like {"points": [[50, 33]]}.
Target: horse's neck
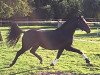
{"points": [[68, 28]]}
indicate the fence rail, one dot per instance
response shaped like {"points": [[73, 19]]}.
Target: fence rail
{"points": [[31, 21], [52, 22], [1, 21]]}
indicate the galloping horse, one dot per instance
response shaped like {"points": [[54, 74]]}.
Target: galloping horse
{"points": [[58, 39]]}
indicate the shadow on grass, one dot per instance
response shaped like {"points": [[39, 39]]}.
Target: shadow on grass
{"points": [[40, 72], [44, 73], [4, 68], [98, 55], [22, 72], [8, 68]]}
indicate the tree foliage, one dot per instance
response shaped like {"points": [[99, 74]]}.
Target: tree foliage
{"points": [[91, 8], [49, 9], [10, 8], [55, 8], [6, 10]]}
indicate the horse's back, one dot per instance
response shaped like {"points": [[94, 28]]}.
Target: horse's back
{"points": [[49, 39]]}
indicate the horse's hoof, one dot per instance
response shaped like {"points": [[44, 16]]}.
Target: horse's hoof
{"points": [[41, 63], [87, 61], [52, 64], [10, 65], [89, 64]]}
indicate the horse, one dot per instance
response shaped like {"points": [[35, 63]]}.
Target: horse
{"points": [[59, 39]]}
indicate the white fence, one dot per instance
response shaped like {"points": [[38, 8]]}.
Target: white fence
{"points": [[52, 22]]}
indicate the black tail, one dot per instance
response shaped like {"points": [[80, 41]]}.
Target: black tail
{"points": [[13, 34]]}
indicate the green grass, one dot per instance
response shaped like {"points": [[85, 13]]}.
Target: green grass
{"points": [[27, 64]]}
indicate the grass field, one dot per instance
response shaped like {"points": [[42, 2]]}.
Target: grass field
{"points": [[69, 62]]}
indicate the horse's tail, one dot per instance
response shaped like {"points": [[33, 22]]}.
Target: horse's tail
{"points": [[13, 34]]}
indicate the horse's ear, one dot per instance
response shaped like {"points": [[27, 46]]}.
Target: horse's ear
{"points": [[81, 16]]}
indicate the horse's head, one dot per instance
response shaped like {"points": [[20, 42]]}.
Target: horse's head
{"points": [[81, 23]]}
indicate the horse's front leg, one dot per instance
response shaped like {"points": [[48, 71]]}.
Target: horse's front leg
{"points": [[57, 57], [79, 52]]}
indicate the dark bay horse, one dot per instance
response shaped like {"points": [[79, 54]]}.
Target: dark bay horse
{"points": [[58, 39]]}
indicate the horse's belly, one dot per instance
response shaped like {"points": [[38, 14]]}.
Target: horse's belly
{"points": [[52, 45]]}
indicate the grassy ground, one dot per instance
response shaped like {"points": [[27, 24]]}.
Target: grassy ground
{"points": [[69, 62]]}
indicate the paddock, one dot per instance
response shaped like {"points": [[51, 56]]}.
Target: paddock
{"points": [[88, 43]]}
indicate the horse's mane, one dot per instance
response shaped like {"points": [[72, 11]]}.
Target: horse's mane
{"points": [[68, 20]]}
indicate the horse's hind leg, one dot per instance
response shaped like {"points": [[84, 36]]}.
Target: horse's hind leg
{"points": [[21, 51], [33, 51], [79, 52]]}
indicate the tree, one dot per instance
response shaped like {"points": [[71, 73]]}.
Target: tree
{"points": [[91, 8], [55, 9], [9, 8], [72, 8], [41, 8], [6, 10]]}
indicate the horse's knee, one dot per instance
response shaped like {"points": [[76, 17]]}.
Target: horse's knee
{"points": [[33, 50], [20, 52]]}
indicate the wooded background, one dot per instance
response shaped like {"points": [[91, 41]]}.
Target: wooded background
{"points": [[48, 9]]}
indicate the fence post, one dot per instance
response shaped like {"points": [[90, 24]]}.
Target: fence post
{"points": [[1, 39], [97, 31]]}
